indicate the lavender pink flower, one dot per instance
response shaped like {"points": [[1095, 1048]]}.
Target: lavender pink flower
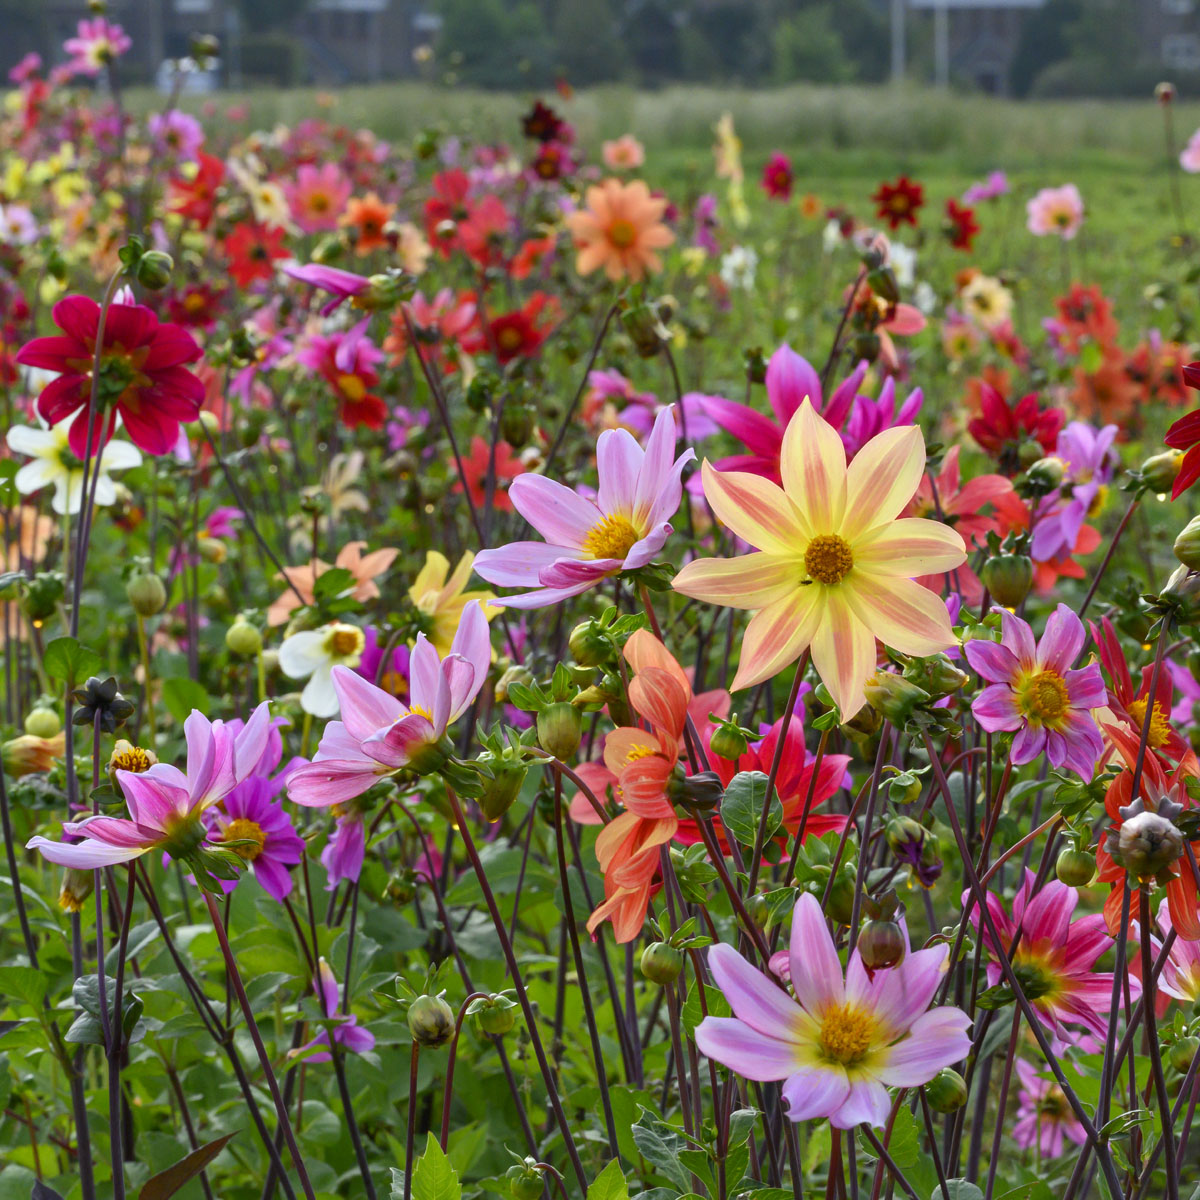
{"points": [[346, 1030], [1044, 1117]]}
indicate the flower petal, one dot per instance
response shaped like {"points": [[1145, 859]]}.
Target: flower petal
{"points": [[744, 1050], [883, 478], [813, 468], [755, 509], [776, 636], [816, 970]]}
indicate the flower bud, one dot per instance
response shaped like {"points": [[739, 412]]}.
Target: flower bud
{"points": [[1028, 452], [1187, 544], [501, 783], [431, 1021], [881, 944], [1008, 577], [894, 697], [662, 962], [698, 793], [154, 270], [946, 1091], [243, 639], [756, 364], [589, 646], [514, 674], [42, 594], [76, 888], [1164, 92], [212, 550], [1145, 844], [728, 741], [559, 729], [496, 1016], [525, 1182], [1161, 470], [1075, 868], [841, 899], [29, 755], [905, 836], [645, 329], [1183, 1051], [43, 723], [147, 593], [937, 675], [516, 424], [1046, 474]]}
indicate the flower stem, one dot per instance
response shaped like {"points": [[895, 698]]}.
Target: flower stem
{"points": [[451, 1059]]}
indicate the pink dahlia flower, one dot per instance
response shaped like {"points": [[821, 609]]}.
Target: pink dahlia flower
{"points": [[1044, 1117], [1056, 211]]}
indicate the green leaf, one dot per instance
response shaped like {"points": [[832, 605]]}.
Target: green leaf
{"points": [[959, 1189], [23, 983], [66, 658], [741, 810], [433, 1178], [167, 1183], [331, 584], [181, 695], [740, 1125], [661, 1145], [610, 1184]]}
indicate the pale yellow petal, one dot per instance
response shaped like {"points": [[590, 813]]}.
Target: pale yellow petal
{"points": [[843, 652], [883, 478], [755, 509], [813, 467], [752, 581], [901, 614], [910, 547], [777, 635]]}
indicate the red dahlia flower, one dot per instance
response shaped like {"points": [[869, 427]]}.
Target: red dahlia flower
{"points": [[897, 203], [142, 377], [961, 226], [1000, 427]]}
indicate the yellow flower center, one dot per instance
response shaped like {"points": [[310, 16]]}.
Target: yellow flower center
{"points": [[828, 559], [612, 537], [250, 832], [1053, 1104], [622, 233], [131, 758], [1160, 729], [642, 751], [351, 387], [846, 1034], [1043, 697], [345, 641]]}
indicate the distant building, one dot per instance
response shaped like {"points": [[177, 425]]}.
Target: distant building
{"points": [[1170, 33]]}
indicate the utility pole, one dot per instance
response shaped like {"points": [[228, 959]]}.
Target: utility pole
{"points": [[941, 44], [898, 40]]}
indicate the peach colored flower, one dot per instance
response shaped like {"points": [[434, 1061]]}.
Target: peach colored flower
{"points": [[365, 568], [625, 153], [620, 230]]}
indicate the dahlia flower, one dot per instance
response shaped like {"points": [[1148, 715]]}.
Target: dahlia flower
{"points": [[620, 230], [1055, 211]]}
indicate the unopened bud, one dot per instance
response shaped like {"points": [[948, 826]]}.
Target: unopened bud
{"points": [[1187, 544], [662, 962], [514, 674], [1008, 578], [946, 1091], [43, 723], [894, 697], [881, 944], [1075, 868], [496, 1016], [589, 646], [1183, 1052], [1161, 470], [502, 786], [243, 639], [154, 270], [431, 1021], [147, 594], [559, 729], [76, 888]]}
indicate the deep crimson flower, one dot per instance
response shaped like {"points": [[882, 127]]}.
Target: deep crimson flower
{"points": [[1000, 427], [897, 203], [197, 306], [777, 176], [142, 375], [541, 123], [196, 198], [1084, 314], [516, 334], [961, 226], [1185, 435], [252, 249]]}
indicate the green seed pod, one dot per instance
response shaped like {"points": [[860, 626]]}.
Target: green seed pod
{"points": [[946, 1091], [881, 944], [1075, 868], [1008, 577], [662, 962], [559, 729], [147, 593], [43, 723], [496, 1016], [243, 639], [154, 270], [431, 1021], [728, 742]]}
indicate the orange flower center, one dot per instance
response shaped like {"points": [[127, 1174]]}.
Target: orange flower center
{"points": [[351, 387], [622, 233], [1160, 729], [1043, 697], [828, 559], [249, 832], [613, 537], [134, 759], [846, 1034]]}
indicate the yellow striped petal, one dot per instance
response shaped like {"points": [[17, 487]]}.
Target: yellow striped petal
{"points": [[752, 581], [883, 478], [813, 467], [755, 509], [843, 652], [776, 636], [901, 614], [910, 547]]}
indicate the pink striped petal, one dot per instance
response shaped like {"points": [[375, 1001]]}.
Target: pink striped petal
{"points": [[745, 1051], [815, 1092], [754, 998], [813, 467], [816, 969]]}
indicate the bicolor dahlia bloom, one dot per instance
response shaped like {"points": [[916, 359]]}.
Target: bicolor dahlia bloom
{"points": [[1056, 957], [166, 805], [834, 565], [586, 541], [378, 735], [897, 203], [1055, 210], [346, 1030], [143, 377], [621, 230], [1036, 694], [842, 1041], [1044, 1116]]}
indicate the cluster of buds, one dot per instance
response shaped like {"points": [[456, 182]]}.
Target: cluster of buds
{"points": [[910, 694]]}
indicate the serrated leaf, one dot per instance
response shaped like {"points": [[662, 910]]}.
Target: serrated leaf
{"points": [[742, 807], [433, 1178], [68, 659], [610, 1184], [167, 1183]]}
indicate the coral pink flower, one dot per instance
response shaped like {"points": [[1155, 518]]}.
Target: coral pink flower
{"points": [[625, 153], [843, 1041], [365, 568], [142, 377], [586, 541], [1055, 211], [378, 735], [166, 805], [1035, 694], [620, 229], [1055, 958], [1044, 1116], [318, 196]]}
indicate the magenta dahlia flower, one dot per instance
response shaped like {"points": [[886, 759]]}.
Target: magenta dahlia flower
{"points": [[346, 1030], [262, 833], [586, 541], [842, 1041], [1044, 1116], [1036, 694], [143, 377]]}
